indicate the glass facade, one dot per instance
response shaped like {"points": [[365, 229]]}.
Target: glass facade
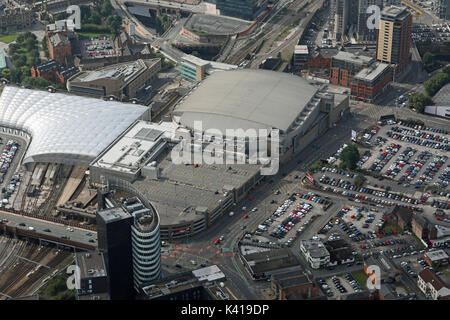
{"points": [[188, 72]]}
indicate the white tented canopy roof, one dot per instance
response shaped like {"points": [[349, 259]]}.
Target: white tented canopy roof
{"points": [[65, 128]]}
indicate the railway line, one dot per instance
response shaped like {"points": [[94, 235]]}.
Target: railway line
{"points": [[19, 270], [39, 275], [16, 268]]}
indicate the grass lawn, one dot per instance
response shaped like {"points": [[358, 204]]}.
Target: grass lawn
{"points": [[8, 38], [390, 227], [361, 278], [419, 242]]}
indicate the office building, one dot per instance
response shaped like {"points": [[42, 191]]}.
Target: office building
{"points": [[126, 80], [265, 264], [146, 244], [93, 277], [362, 31], [442, 8], [341, 17], [194, 69], [114, 241], [315, 253], [394, 37]]}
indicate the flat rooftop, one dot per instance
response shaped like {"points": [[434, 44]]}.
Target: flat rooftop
{"points": [[301, 49], [353, 57], [291, 279], [437, 255], [316, 249], [271, 260], [91, 264], [373, 72], [394, 13], [127, 153], [243, 99], [207, 24], [113, 214], [211, 273], [178, 202], [124, 72]]}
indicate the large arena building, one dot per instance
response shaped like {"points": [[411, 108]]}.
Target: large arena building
{"points": [[117, 142]]}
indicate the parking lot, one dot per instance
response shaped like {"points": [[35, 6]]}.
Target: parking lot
{"points": [[437, 33], [289, 220], [410, 154], [339, 285], [100, 47], [363, 218], [12, 151], [337, 181], [414, 263]]}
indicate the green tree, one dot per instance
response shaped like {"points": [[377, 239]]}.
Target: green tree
{"points": [[359, 180], [25, 71], [30, 44], [114, 23], [95, 18], [435, 83], [349, 156], [446, 70], [85, 14], [19, 60], [16, 76], [106, 9], [419, 101], [6, 73], [59, 16]]}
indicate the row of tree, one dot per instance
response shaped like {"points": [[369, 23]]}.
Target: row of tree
{"points": [[435, 83], [419, 101]]}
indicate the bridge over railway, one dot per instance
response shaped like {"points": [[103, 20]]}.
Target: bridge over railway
{"points": [[49, 229]]}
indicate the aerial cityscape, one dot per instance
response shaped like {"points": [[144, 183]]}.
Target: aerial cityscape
{"points": [[237, 150]]}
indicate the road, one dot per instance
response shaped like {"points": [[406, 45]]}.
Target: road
{"points": [[56, 229], [201, 248]]}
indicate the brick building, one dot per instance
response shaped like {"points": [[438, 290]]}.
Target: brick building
{"points": [[58, 41], [366, 77], [422, 228], [286, 284], [400, 217], [436, 258], [16, 17], [432, 285], [53, 71]]}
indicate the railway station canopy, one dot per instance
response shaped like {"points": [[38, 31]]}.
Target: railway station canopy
{"points": [[64, 128]]}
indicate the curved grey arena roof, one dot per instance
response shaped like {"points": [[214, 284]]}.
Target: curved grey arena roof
{"points": [[65, 128], [246, 99]]}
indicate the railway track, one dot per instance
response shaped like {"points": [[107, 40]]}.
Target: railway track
{"points": [[19, 271], [39, 275]]}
